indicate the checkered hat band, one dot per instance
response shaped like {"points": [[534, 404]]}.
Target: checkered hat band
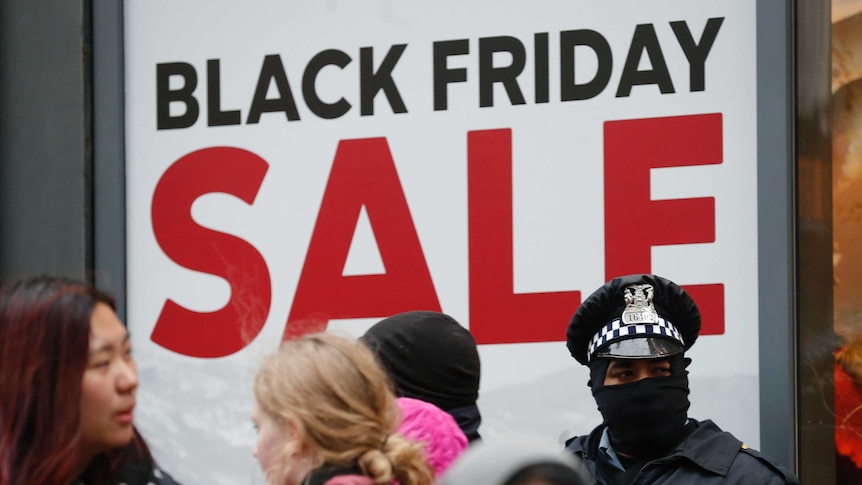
{"points": [[616, 330]]}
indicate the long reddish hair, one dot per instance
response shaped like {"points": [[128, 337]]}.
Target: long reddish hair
{"points": [[44, 345]]}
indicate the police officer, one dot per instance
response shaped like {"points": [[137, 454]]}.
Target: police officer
{"points": [[632, 333]]}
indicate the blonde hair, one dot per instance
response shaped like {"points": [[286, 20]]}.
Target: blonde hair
{"points": [[342, 406]]}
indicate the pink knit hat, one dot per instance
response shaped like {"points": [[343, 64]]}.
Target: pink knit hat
{"points": [[426, 423]]}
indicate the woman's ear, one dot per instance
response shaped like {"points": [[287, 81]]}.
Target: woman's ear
{"points": [[297, 455], [291, 428], [292, 434], [295, 439]]}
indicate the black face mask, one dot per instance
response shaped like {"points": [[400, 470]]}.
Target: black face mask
{"points": [[645, 418]]}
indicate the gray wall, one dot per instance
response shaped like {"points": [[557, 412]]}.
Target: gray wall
{"points": [[45, 149], [109, 208]]}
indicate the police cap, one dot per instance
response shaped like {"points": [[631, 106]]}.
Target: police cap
{"points": [[637, 316]]}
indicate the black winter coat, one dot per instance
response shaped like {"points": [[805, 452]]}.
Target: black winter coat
{"points": [[707, 456], [141, 471]]}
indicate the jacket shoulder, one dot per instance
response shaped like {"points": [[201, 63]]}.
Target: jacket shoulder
{"points": [[718, 453], [746, 461], [786, 475]]}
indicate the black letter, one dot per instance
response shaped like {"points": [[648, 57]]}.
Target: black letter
{"points": [[318, 62], [488, 74], [541, 67], [164, 95], [443, 75], [645, 40], [569, 40], [215, 116], [696, 53], [272, 69], [370, 82]]}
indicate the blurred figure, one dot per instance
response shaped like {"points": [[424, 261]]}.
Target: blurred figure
{"points": [[516, 462], [67, 389], [325, 414], [433, 358], [848, 412], [438, 432]]}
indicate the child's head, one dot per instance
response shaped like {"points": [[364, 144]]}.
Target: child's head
{"points": [[324, 400]]}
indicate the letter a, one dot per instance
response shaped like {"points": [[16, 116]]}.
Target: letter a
{"points": [[363, 173]]}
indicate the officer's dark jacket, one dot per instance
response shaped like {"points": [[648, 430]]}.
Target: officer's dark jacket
{"points": [[708, 456]]}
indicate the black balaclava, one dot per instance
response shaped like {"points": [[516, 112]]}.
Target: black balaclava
{"points": [[644, 418], [433, 358]]}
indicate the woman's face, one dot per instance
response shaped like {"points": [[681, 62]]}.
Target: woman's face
{"points": [[270, 445], [109, 384], [280, 454]]}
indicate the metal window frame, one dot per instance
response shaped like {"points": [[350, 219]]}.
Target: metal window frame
{"points": [[795, 294]]}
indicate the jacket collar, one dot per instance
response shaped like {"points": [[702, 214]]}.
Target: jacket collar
{"points": [[707, 446]]}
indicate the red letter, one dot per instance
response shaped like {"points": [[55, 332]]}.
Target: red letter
{"points": [[634, 223], [219, 169], [497, 314], [363, 173]]}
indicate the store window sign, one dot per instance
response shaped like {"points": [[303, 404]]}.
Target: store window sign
{"points": [[363, 175], [292, 168]]}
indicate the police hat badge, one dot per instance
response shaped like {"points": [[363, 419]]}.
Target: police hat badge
{"points": [[634, 317]]}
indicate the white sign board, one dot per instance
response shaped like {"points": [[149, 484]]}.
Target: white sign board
{"points": [[294, 167]]}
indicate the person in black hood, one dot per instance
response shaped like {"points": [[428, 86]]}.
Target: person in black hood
{"points": [[633, 333], [433, 358]]}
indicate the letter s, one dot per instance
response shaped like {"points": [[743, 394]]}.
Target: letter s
{"points": [[216, 169]]}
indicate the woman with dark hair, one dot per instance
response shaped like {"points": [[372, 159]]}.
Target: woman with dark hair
{"points": [[67, 389]]}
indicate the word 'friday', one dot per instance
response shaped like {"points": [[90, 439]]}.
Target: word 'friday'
{"points": [[374, 80]]}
